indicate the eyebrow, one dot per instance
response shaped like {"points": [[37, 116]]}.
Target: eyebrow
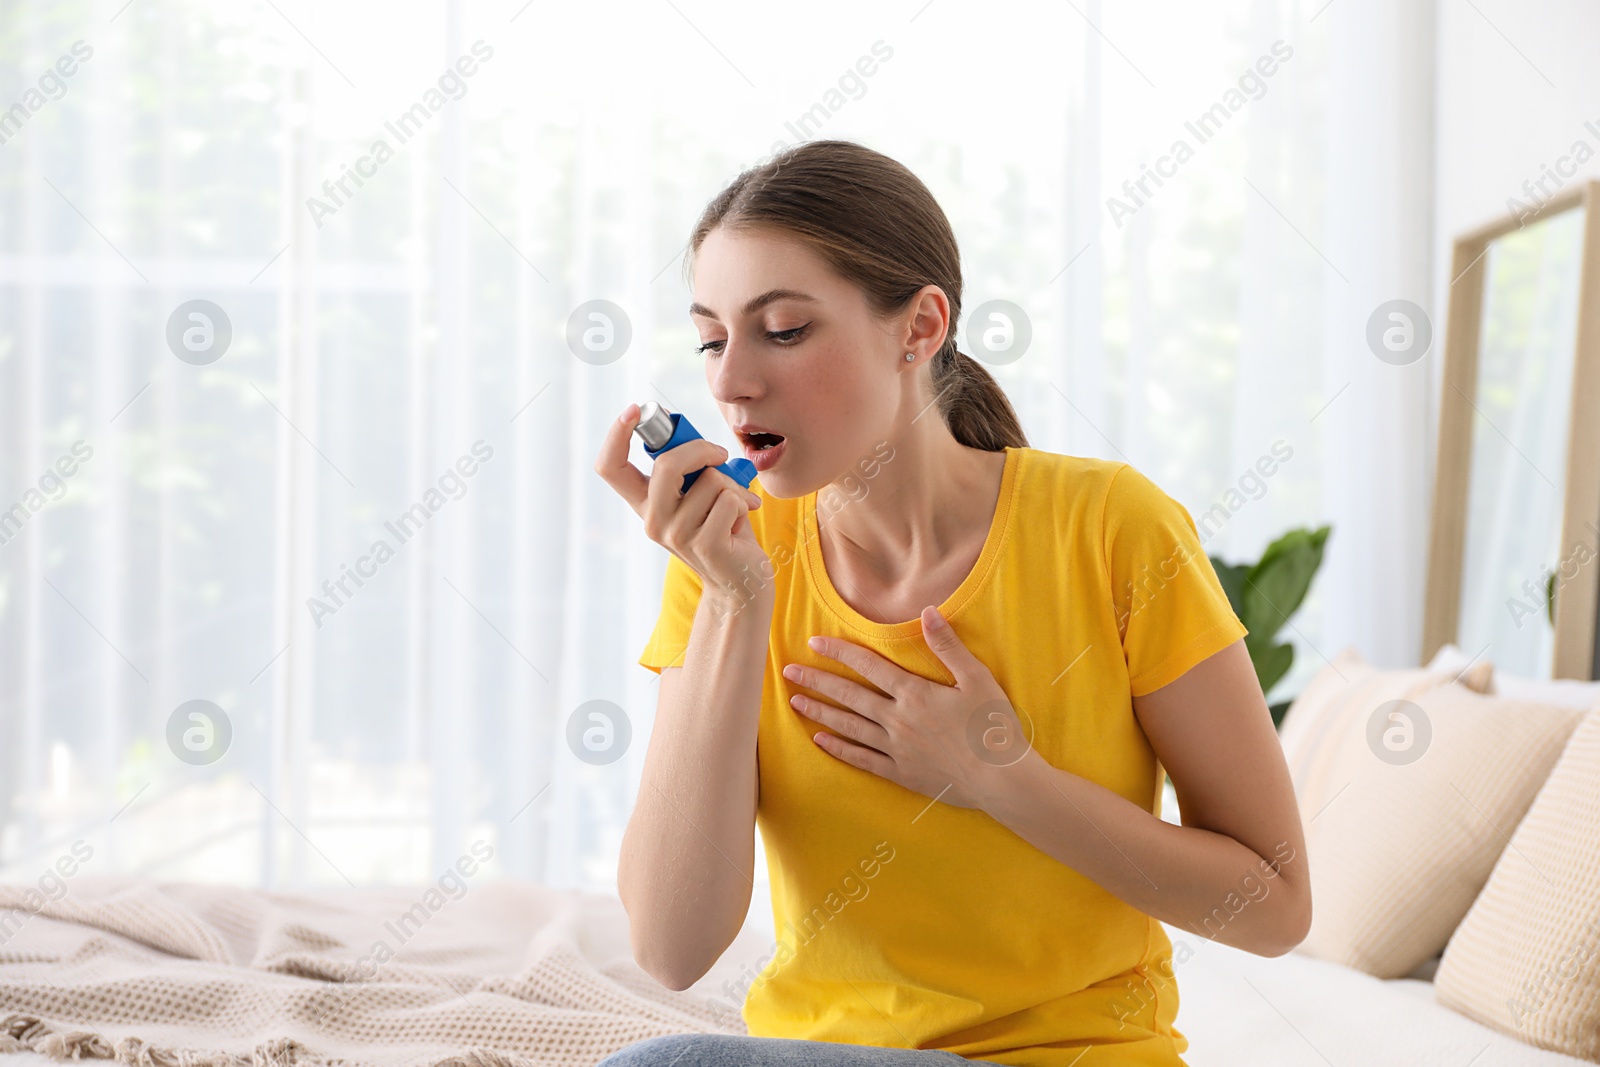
{"points": [[756, 303]]}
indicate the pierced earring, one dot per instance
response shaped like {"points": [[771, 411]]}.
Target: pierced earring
{"points": [[911, 355]]}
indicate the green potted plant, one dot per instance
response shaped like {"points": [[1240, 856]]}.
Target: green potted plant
{"points": [[1264, 594]]}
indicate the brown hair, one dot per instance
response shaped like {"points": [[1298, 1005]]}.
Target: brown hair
{"points": [[879, 226]]}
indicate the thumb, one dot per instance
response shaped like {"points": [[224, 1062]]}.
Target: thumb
{"points": [[941, 637]]}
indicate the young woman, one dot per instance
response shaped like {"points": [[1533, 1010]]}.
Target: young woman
{"points": [[942, 670]]}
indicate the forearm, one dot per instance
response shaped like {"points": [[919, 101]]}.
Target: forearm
{"points": [[1186, 876], [687, 864]]}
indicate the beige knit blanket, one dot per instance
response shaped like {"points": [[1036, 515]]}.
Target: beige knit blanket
{"points": [[503, 974]]}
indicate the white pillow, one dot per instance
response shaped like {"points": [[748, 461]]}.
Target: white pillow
{"points": [[1450, 658], [1562, 692]]}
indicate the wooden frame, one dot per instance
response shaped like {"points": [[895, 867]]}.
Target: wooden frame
{"points": [[1576, 653]]}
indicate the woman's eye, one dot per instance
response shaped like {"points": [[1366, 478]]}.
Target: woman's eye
{"points": [[782, 337]]}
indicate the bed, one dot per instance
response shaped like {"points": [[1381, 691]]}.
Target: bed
{"points": [[511, 974]]}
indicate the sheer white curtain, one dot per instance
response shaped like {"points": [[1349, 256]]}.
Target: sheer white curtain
{"points": [[400, 370]]}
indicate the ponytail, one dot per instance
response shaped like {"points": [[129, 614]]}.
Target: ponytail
{"points": [[974, 406]]}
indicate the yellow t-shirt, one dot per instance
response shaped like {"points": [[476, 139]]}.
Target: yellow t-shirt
{"points": [[911, 924]]}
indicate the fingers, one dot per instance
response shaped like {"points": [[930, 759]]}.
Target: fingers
{"points": [[727, 481], [666, 477], [689, 456], [842, 691], [670, 517], [852, 725], [726, 510], [612, 463], [683, 516]]}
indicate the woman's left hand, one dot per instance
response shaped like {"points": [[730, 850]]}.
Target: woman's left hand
{"points": [[933, 738]]}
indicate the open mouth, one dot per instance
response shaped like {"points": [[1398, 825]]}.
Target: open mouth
{"points": [[763, 449], [761, 441]]}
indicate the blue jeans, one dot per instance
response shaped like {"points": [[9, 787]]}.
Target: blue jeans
{"points": [[736, 1050]]}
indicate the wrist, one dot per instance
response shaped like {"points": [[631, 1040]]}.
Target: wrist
{"points": [[999, 789], [727, 603]]}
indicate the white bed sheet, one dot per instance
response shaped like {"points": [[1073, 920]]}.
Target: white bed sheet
{"points": [[1239, 1010]]}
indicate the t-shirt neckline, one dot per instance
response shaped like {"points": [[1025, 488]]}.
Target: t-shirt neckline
{"points": [[822, 585]]}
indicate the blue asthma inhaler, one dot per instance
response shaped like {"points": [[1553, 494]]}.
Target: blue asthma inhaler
{"points": [[662, 430]]}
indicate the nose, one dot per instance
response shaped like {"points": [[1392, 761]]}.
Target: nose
{"points": [[735, 375]]}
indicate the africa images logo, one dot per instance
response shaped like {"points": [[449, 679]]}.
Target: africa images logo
{"points": [[1251, 85], [409, 123]]}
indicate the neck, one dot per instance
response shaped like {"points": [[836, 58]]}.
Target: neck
{"points": [[934, 496]]}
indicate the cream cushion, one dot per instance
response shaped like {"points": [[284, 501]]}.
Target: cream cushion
{"points": [[1317, 709], [1408, 784], [1526, 958]]}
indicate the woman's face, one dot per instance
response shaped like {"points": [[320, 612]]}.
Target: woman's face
{"points": [[810, 363]]}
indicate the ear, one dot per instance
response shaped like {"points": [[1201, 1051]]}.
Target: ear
{"points": [[927, 322]]}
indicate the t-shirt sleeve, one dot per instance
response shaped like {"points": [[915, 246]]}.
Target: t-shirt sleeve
{"points": [[680, 598], [1171, 610]]}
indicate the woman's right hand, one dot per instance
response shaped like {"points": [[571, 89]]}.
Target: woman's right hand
{"points": [[707, 527]]}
